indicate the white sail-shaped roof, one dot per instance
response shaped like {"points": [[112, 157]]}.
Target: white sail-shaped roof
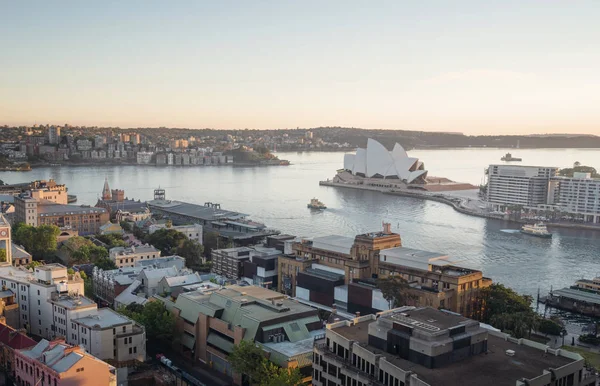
{"points": [[377, 161]]}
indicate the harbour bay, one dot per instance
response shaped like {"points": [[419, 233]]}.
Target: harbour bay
{"points": [[278, 196]]}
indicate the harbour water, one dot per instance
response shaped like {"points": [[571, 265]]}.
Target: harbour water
{"points": [[278, 196]]}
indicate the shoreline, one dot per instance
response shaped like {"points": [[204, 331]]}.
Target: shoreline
{"points": [[455, 203]]}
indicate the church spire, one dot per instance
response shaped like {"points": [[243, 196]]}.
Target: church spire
{"points": [[106, 191]]}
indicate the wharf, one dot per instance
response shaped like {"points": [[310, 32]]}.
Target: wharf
{"points": [[573, 300]]}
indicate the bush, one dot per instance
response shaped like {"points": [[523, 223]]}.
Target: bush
{"points": [[590, 339], [550, 327]]}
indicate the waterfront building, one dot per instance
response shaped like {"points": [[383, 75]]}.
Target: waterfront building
{"points": [[144, 157], [191, 231], [12, 340], [127, 257], [135, 215], [211, 217], [83, 219], [60, 364], [341, 271], [578, 196], [114, 201], [255, 264], [426, 347], [515, 185], [211, 322], [376, 162], [54, 135]]}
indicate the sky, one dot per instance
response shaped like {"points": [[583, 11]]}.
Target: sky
{"points": [[477, 67]]}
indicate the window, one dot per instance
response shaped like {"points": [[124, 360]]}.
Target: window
{"points": [[124, 329], [130, 350], [135, 350]]}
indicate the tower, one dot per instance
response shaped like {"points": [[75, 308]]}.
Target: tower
{"points": [[106, 194], [159, 194]]}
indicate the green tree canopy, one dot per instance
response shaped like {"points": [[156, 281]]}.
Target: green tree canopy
{"points": [[578, 168], [212, 240], [155, 317], [126, 226], [249, 360], [39, 241], [33, 264], [113, 240], [396, 291], [2, 255], [105, 264], [167, 240], [192, 251]]}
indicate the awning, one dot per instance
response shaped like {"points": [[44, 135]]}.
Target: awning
{"points": [[220, 342], [218, 223], [188, 341]]}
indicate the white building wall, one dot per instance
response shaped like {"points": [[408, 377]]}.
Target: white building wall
{"points": [[302, 293]]}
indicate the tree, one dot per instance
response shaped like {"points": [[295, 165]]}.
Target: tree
{"points": [[105, 264], [2, 255], [247, 358], [155, 317], [507, 310], [126, 226], [113, 240], [192, 251], [33, 264], [39, 241], [167, 240], [550, 327], [212, 240], [396, 291]]}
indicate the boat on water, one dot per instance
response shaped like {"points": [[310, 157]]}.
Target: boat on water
{"points": [[537, 230], [509, 158], [316, 204]]}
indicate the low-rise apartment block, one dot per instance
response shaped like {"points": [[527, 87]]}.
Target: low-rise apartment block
{"points": [[57, 363], [412, 346], [127, 257], [12, 340], [255, 264], [192, 231]]}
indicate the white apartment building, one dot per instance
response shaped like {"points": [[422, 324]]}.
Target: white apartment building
{"points": [[144, 157], [192, 231], [578, 195], [518, 185], [51, 302], [127, 257]]}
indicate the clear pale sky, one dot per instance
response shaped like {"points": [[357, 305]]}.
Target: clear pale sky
{"points": [[478, 67]]}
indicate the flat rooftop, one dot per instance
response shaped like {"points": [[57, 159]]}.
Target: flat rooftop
{"points": [[492, 368], [104, 318], [72, 302], [581, 296], [207, 213], [334, 243], [48, 208], [428, 319], [418, 259]]}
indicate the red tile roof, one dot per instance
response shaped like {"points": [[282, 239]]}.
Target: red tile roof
{"points": [[14, 339]]}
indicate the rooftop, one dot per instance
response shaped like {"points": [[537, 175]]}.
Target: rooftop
{"points": [[427, 319], [49, 208], [104, 318], [183, 280], [417, 259], [207, 213], [73, 302], [581, 296], [493, 368], [334, 243]]}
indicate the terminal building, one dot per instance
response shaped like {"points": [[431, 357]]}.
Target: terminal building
{"points": [[515, 185], [342, 272], [411, 346]]}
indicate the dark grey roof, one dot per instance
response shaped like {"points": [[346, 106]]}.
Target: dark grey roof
{"points": [[194, 210], [49, 208]]}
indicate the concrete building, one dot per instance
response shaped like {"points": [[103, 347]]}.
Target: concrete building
{"points": [[426, 347], [54, 135], [578, 196], [57, 363], [144, 157], [173, 285], [134, 215], [211, 323], [127, 257], [84, 145], [150, 278], [515, 185], [192, 231], [83, 219], [256, 264]]}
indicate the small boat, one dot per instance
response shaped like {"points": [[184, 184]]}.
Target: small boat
{"points": [[508, 158], [316, 204], [537, 230]]}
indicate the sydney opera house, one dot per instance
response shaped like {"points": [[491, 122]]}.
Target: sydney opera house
{"points": [[376, 162]]}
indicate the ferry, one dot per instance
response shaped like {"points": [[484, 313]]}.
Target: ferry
{"points": [[538, 230], [316, 204], [508, 158]]}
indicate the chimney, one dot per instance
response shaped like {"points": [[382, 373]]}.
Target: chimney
{"points": [[387, 228], [358, 314], [334, 309]]}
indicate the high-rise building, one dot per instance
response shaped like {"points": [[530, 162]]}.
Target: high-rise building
{"points": [[54, 135], [513, 185]]}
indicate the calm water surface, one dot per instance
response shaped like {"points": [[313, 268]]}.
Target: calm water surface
{"points": [[278, 197]]}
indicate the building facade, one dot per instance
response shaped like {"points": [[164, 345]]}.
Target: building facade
{"points": [[514, 185], [425, 347], [57, 363], [578, 196], [191, 231], [127, 257]]}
